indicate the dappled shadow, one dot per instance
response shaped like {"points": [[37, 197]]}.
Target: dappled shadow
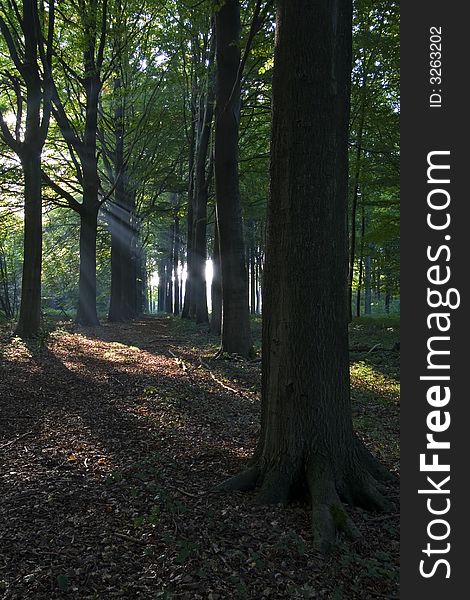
{"points": [[114, 445]]}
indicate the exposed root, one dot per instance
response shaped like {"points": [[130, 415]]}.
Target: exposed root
{"points": [[373, 465], [219, 354], [243, 482], [328, 514], [367, 496], [327, 494]]}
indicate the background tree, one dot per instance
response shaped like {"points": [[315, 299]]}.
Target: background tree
{"points": [[236, 335], [27, 34]]}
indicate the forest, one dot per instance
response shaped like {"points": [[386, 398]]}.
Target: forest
{"points": [[199, 299]]}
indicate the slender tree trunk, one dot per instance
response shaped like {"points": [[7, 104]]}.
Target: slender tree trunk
{"points": [[259, 263], [367, 285], [186, 311], [236, 334], [5, 301], [356, 188], [161, 287], [176, 257], [361, 265], [169, 272], [216, 287], [142, 281], [29, 322], [116, 312], [201, 191], [252, 268], [86, 313], [306, 440]]}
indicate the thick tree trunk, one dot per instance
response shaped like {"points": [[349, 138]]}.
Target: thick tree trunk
{"points": [[307, 442], [236, 334], [29, 322], [216, 287], [38, 106], [86, 312]]}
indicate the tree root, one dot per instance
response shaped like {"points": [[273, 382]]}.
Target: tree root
{"points": [[245, 481], [327, 494], [373, 465]]}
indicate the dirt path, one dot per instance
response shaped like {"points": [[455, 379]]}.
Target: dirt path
{"points": [[111, 440]]}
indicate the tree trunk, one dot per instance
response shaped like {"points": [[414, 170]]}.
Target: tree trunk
{"points": [[169, 271], [122, 306], [35, 74], [29, 322], [367, 285], [259, 267], [236, 334], [252, 269], [361, 265], [216, 287], [306, 441], [201, 191], [116, 312], [141, 278], [176, 257], [161, 286], [86, 312], [186, 311]]}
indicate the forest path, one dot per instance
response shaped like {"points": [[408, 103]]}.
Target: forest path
{"points": [[111, 440]]}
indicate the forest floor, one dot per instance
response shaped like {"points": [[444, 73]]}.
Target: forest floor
{"points": [[111, 440]]}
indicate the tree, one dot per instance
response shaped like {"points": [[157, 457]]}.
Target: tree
{"points": [[89, 24], [306, 441], [374, 139], [30, 50], [236, 334]]}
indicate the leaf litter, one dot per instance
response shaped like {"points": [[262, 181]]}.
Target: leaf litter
{"points": [[111, 442]]}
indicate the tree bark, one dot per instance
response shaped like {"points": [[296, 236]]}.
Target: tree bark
{"points": [[252, 268], [188, 301], [236, 334], [176, 257], [361, 265], [216, 287], [122, 305], [86, 312], [29, 321], [306, 441], [367, 285]]}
